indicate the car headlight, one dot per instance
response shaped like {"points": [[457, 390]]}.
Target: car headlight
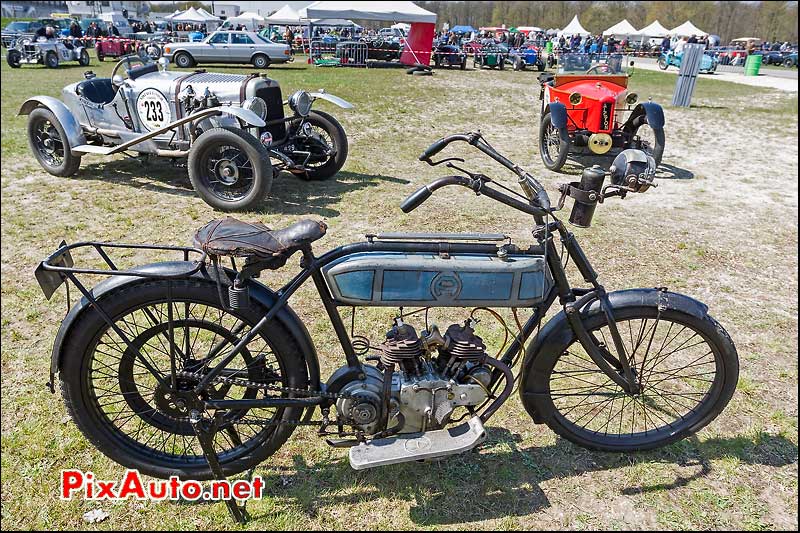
{"points": [[632, 98], [257, 106], [575, 98], [300, 103]]}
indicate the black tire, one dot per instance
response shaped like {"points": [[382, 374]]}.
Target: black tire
{"points": [[51, 59], [501, 63], [83, 58], [662, 63], [412, 70], [540, 65], [336, 134], [100, 55], [13, 58], [184, 60], [463, 65], [651, 330], [423, 73], [656, 144], [437, 62], [153, 51], [222, 187], [552, 157], [83, 395], [49, 144], [788, 63], [261, 61], [518, 64]]}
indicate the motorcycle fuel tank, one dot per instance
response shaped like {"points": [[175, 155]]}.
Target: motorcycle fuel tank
{"points": [[395, 279]]}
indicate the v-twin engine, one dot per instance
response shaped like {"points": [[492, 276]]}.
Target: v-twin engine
{"points": [[418, 382]]}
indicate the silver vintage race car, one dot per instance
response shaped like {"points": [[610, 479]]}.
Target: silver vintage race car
{"points": [[230, 128], [48, 52]]}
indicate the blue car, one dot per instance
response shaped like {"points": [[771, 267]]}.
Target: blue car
{"points": [[707, 65], [526, 55]]}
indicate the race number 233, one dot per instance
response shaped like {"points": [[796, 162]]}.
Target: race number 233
{"points": [[153, 109]]}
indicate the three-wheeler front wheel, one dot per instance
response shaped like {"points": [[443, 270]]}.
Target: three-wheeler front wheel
{"points": [[230, 169], [49, 144]]}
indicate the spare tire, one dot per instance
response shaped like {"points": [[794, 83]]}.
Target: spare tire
{"points": [[412, 70], [422, 73]]}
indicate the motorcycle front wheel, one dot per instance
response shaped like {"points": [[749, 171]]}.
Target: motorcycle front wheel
{"points": [[687, 369], [131, 416]]}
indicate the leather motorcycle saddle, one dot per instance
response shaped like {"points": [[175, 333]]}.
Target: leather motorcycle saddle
{"points": [[255, 241]]}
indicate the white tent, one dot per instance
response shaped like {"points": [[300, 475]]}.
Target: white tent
{"points": [[250, 19], [190, 15], [209, 17], [573, 28], [654, 29], [173, 15], [386, 11], [621, 29], [285, 15], [687, 29]]}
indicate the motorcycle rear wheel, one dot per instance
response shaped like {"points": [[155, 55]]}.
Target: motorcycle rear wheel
{"points": [[120, 407]]}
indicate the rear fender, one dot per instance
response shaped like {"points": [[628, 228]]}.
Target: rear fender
{"points": [[558, 114], [259, 292], [62, 113], [557, 335]]}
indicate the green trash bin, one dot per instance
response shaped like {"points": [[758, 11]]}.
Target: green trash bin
{"points": [[752, 64], [548, 47]]}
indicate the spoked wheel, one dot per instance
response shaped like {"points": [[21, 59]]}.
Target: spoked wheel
{"points": [[327, 141], [48, 142], [650, 140], [686, 368], [13, 58], [553, 143], [135, 408], [230, 169], [662, 63], [83, 58]]}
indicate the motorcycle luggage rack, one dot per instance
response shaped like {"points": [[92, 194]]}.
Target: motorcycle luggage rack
{"points": [[60, 265], [473, 237]]}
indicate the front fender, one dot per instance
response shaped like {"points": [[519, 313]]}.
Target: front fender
{"points": [[243, 114], [259, 292], [557, 335], [62, 113], [654, 113], [558, 114], [341, 102]]}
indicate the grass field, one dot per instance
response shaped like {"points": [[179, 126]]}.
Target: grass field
{"points": [[721, 226]]}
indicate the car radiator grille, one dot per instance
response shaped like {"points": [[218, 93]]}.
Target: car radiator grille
{"points": [[272, 97]]}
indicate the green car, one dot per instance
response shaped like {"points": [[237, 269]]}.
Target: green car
{"points": [[490, 55]]}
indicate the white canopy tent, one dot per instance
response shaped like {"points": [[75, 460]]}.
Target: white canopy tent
{"points": [[172, 15], [654, 29], [285, 15], [621, 29], [250, 19], [573, 28], [194, 16], [385, 11], [687, 29]]}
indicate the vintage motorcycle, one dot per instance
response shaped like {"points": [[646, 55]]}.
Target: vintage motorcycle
{"points": [[192, 368]]}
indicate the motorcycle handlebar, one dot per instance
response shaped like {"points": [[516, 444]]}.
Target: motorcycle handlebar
{"points": [[416, 198], [442, 143]]}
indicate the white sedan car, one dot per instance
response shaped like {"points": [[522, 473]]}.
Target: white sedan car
{"points": [[229, 47]]}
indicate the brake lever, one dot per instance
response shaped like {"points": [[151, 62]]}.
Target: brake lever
{"points": [[434, 163]]}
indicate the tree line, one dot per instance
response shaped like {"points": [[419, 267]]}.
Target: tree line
{"points": [[766, 20]]}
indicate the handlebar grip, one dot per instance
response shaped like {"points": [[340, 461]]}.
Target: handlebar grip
{"points": [[416, 199], [434, 149]]}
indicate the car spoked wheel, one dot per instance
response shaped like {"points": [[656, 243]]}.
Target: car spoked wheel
{"points": [[326, 140], [649, 140], [13, 58], [553, 143], [83, 59], [49, 144], [135, 403], [684, 367], [230, 169]]}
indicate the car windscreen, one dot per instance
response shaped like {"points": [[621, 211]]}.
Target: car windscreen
{"points": [[17, 26], [594, 64]]}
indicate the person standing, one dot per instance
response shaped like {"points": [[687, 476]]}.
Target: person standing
{"points": [[665, 44]]}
